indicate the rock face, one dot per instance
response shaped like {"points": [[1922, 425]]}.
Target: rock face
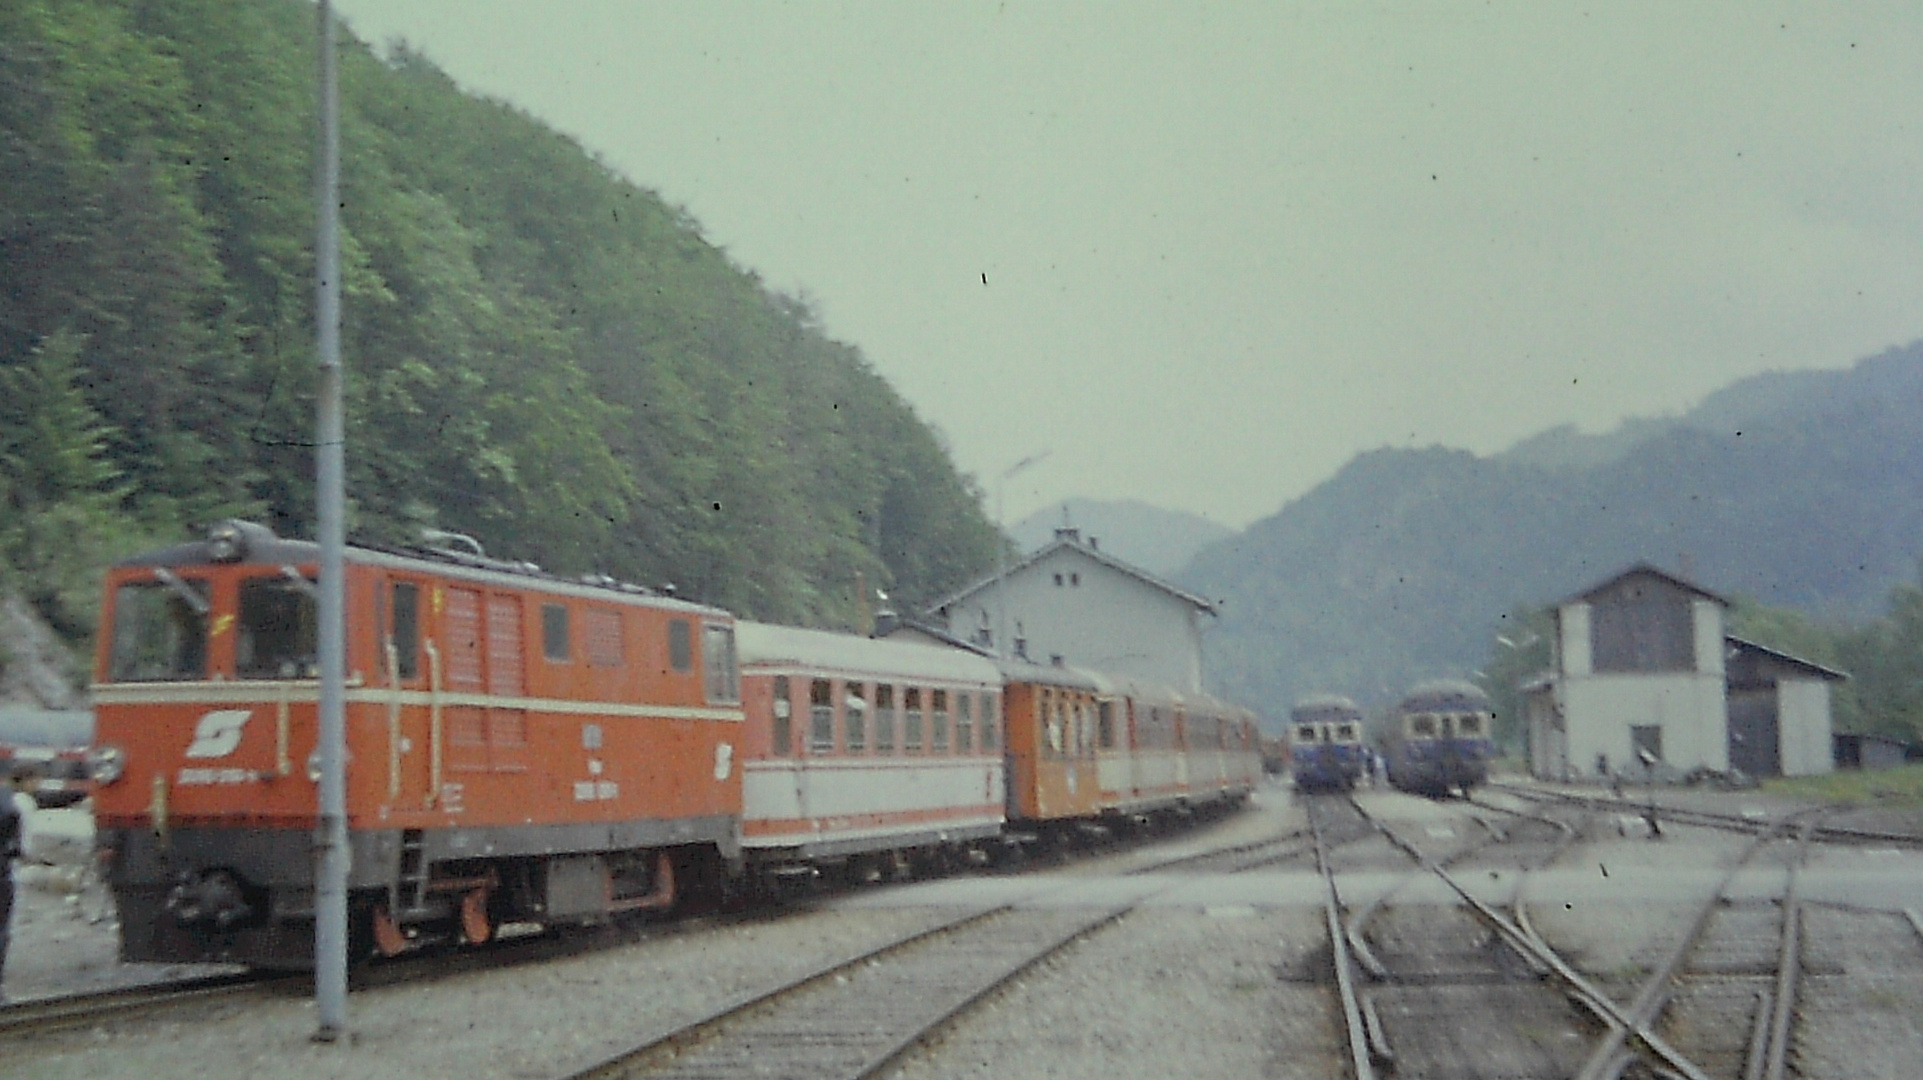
{"points": [[35, 668]]}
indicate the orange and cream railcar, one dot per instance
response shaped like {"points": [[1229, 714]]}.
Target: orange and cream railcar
{"points": [[520, 747], [1051, 714], [1085, 750], [864, 755]]}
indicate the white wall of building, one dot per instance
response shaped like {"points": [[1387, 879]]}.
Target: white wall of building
{"points": [[1601, 710], [1573, 646], [1097, 617]]}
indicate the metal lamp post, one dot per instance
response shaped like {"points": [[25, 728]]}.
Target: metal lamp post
{"points": [[1001, 557]]}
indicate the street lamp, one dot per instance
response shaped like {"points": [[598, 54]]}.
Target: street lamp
{"points": [[1001, 556]]}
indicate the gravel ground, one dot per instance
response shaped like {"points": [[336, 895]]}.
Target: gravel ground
{"points": [[1197, 990]]}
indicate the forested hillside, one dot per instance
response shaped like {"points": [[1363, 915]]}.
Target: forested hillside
{"points": [[1801, 491], [540, 353]]}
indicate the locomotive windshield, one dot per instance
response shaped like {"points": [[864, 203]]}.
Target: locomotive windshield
{"points": [[277, 634], [160, 631]]}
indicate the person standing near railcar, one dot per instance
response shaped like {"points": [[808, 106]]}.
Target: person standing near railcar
{"points": [[11, 835]]}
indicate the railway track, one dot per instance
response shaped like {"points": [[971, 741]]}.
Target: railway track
{"points": [[856, 1017]]}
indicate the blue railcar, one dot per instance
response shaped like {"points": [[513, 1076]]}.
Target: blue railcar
{"points": [[1439, 740], [1325, 743]]}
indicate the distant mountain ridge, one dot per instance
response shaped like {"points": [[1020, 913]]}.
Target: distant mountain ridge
{"points": [[1803, 489], [1154, 539]]}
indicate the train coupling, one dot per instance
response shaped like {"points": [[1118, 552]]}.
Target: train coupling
{"points": [[209, 897]]}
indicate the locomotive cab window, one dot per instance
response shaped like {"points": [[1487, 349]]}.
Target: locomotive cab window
{"points": [[160, 631], [717, 656], [277, 634], [554, 633]]}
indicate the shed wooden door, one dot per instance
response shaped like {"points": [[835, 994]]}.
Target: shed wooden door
{"points": [[1754, 745]]}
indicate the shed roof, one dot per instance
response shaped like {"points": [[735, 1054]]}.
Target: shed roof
{"points": [[1808, 667], [1646, 569]]}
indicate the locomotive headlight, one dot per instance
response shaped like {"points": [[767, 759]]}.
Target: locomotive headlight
{"points": [[106, 764], [226, 542]]}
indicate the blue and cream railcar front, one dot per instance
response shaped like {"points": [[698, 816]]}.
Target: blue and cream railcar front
{"points": [[1441, 739], [1325, 743]]}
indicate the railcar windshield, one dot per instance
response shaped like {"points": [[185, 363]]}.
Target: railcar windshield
{"points": [[277, 634], [1469, 725], [159, 631], [1423, 726]]}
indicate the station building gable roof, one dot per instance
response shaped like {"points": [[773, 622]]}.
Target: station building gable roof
{"points": [[1070, 541]]}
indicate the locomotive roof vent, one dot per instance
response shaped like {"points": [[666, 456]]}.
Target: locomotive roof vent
{"points": [[451, 542], [230, 540]]}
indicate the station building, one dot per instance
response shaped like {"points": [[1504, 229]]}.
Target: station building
{"points": [[1645, 677], [1070, 602]]}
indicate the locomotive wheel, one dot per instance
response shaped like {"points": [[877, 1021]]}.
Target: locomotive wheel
{"points": [[388, 936], [476, 926]]}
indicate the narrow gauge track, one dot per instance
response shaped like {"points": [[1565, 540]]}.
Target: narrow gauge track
{"points": [[1821, 833], [1452, 996], [855, 1018], [33, 1017], [1733, 976]]}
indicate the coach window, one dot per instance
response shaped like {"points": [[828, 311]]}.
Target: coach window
{"points": [[554, 633], [884, 719], [160, 631], [407, 630], [964, 723], [938, 720], [821, 717], [718, 660], [989, 733], [275, 636], [911, 720], [854, 718], [680, 645], [1105, 722], [784, 739]]}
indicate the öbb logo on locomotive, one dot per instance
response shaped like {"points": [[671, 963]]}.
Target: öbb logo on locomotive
{"points": [[529, 748]]}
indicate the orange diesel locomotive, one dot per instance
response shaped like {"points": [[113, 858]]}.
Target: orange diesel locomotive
{"points": [[520, 747]]}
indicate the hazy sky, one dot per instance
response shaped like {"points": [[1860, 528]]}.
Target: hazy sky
{"points": [[1203, 253]]}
